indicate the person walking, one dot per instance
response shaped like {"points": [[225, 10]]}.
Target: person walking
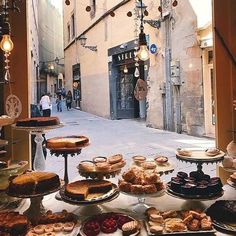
{"points": [[68, 100], [59, 103], [46, 105]]}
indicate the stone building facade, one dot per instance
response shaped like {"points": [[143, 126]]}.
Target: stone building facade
{"points": [[174, 74]]}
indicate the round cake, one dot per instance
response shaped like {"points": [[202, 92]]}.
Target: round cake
{"points": [[38, 122], [67, 142], [34, 183]]}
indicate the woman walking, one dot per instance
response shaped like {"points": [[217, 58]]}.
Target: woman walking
{"points": [[68, 100]]}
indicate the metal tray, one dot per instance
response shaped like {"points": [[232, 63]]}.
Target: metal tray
{"points": [[112, 194], [200, 232]]}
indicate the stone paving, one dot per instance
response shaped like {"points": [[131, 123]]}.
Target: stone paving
{"points": [[128, 137]]}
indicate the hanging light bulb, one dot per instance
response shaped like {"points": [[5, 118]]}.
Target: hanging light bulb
{"points": [[136, 72], [143, 53], [126, 69], [6, 43]]}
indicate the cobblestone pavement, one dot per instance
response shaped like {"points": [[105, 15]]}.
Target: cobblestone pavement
{"points": [[128, 137]]}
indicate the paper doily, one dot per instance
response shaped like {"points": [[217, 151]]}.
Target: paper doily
{"points": [[13, 106]]}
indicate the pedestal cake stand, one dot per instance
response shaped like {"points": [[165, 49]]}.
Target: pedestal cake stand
{"points": [[39, 160]]}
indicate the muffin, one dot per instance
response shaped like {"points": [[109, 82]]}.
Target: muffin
{"points": [[182, 175], [188, 189]]}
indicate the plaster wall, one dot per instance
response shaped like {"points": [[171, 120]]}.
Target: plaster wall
{"points": [[108, 33]]}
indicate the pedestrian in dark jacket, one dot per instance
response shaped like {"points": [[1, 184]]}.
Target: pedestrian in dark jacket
{"points": [[68, 100]]}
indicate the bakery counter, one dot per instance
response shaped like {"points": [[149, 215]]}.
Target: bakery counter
{"points": [[125, 203]]}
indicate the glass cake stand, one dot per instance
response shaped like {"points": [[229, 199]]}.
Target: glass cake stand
{"points": [[39, 160], [140, 207]]}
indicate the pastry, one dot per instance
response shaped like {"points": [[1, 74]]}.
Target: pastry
{"points": [[161, 160], [34, 183], [223, 211], [182, 175], [196, 215], [151, 178], [109, 226], [48, 228], [156, 218], [38, 121], [194, 225], [137, 189], [102, 167], [188, 189], [184, 152], [174, 225], [125, 186], [49, 234], [39, 229], [150, 188], [138, 160], [176, 186], [129, 175], [115, 159], [68, 226], [202, 190], [188, 219], [148, 165], [99, 159], [67, 142], [130, 228], [87, 166], [13, 223], [91, 228], [212, 152], [80, 189], [206, 223], [152, 210], [169, 214], [118, 165], [57, 227], [156, 229]]}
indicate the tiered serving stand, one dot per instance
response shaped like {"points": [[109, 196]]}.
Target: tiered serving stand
{"points": [[198, 157], [93, 204], [14, 168], [39, 160]]}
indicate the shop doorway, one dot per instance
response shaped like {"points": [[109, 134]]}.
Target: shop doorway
{"points": [[127, 105]]}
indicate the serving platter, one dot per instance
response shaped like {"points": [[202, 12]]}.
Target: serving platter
{"points": [[92, 198], [225, 226], [118, 232], [37, 128], [188, 232], [172, 193], [200, 155]]}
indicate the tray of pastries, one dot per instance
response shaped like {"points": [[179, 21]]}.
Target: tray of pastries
{"points": [[232, 180], [67, 143], [13, 224], [137, 181], [208, 155], [223, 214], [55, 224], [195, 186], [33, 184], [109, 224], [160, 163], [177, 222], [101, 167], [37, 122], [86, 192]]}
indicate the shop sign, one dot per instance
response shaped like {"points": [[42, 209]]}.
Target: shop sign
{"points": [[153, 48], [124, 57]]}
